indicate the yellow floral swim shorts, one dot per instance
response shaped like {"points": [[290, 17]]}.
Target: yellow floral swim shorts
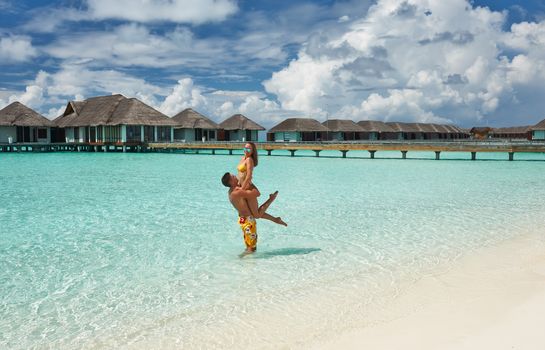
{"points": [[249, 230]]}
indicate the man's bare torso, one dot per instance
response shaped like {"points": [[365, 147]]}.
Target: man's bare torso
{"points": [[239, 203]]}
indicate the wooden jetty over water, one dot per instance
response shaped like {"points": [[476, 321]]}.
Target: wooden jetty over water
{"points": [[472, 147], [468, 146]]}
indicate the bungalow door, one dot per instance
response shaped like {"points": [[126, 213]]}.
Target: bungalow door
{"points": [[249, 135], [198, 134], [26, 134]]}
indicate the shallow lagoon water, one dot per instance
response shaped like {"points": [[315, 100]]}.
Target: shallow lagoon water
{"points": [[139, 250]]}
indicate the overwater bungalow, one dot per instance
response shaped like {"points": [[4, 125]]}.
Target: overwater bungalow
{"points": [[239, 128], [427, 131], [538, 131], [113, 119], [190, 126], [342, 130], [441, 132], [298, 129], [20, 124], [407, 131], [510, 133], [376, 130]]}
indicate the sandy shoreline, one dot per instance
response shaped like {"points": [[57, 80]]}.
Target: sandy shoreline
{"points": [[492, 299]]}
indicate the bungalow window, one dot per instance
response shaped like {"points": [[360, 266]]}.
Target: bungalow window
{"points": [[148, 133], [112, 133], [212, 134], [99, 133], [163, 133], [76, 134], [42, 133], [133, 132]]}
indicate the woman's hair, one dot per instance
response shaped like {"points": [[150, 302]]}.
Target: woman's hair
{"points": [[254, 152]]}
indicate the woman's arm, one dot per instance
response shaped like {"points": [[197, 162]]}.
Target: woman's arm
{"points": [[249, 170]]}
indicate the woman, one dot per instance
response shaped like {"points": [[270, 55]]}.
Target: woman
{"points": [[245, 174]]}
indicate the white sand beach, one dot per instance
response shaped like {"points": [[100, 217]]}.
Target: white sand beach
{"points": [[491, 299]]}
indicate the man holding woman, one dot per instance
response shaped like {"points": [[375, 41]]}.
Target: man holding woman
{"points": [[243, 196]]}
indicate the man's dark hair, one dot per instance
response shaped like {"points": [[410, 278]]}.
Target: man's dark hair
{"points": [[225, 180]]}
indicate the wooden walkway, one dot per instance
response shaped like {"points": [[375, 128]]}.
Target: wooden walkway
{"points": [[468, 146], [472, 147]]}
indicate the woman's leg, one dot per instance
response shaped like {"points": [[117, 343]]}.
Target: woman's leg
{"points": [[262, 211]]}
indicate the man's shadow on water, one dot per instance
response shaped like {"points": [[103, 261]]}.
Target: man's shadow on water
{"points": [[279, 252]]}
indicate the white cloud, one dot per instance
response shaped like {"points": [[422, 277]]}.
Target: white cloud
{"points": [[180, 11], [16, 48], [220, 104], [134, 45], [422, 60], [46, 19], [184, 95], [49, 92]]}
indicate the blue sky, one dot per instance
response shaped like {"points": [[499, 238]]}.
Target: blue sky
{"points": [[463, 62]]}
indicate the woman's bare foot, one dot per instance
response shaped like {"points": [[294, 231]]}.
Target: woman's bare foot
{"points": [[279, 221]]}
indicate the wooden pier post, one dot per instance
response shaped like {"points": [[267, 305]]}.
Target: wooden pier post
{"points": [[292, 152], [404, 154], [269, 151], [317, 151], [473, 155], [230, 152], [214, 151], [437, 155], [344, 152], [511, 155], [372, 154]]}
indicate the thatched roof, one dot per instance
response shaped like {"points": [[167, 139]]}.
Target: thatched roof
{"points": [[190, 119], [405, 127], [512, 130], [342, 125], [299, 124], [426, 128], [539, 126], [17, 114], [240, 122], [439, 128], [110, 110], [375, 126]]}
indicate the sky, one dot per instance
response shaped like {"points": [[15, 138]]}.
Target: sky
{"points": [[469, 63]]}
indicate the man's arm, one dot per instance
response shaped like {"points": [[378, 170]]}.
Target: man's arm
{"points": [[246, 194]]}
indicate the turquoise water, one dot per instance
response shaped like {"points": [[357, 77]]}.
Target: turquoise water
{"points": [[141, 250]]}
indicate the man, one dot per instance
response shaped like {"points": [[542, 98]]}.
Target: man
{"points": [[238, 198]]}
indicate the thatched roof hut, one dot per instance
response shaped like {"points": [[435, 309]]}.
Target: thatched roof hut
{"points": [[405, 127], [299, 125], [110, 110], [375, 126], [17, 114], [239, 122], [342, 125], [190, 119], [539, 126]]}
